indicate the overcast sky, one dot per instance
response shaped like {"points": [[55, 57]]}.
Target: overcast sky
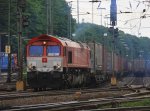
{"points": [[128, 22]]}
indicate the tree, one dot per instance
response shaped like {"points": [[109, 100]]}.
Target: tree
{"points": [[37, 17], [36, 12]]}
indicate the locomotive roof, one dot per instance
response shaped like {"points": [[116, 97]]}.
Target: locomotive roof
{"points": [[63, 41]]}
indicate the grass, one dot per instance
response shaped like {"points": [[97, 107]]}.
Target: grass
{"points": [[145, 102]]}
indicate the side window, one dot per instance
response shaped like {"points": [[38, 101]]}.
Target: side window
{"points": [[64, 51], [69, 56]]}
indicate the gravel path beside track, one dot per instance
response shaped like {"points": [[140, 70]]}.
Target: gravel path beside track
{"points": [[76, 95]]}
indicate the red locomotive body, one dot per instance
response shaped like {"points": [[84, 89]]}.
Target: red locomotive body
{"points": [[53, 62]]}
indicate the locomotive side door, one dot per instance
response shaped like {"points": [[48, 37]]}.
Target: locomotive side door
{"points": [[70, 57]]}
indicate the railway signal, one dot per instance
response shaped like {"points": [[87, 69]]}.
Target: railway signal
{"points": [[7, 49], [116, 34], [25, 21], [114, 31]]}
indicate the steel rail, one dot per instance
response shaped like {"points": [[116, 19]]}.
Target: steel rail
{"points": [[138, 108], [15, 95], [63, 106]]}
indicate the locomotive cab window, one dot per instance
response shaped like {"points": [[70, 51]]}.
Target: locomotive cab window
{"points": [[36, 51], [53, 50]]}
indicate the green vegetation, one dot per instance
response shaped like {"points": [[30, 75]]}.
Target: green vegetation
{"points": [[125, 44], [36, 10], [145, 102]]}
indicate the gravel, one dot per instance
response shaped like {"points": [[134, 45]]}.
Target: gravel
{"points": [[61, 98]]}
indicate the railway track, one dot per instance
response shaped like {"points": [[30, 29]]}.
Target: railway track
{"points": [[77, 105], [139, 108], [26, 94]]}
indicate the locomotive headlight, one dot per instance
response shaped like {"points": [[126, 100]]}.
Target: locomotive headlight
{"points": [[57, 67], [44, 43]]}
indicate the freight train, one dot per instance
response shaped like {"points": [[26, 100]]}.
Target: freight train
{"points": [[55, 62]]}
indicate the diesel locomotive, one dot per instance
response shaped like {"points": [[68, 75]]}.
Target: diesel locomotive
{"points": [[56, 62]]}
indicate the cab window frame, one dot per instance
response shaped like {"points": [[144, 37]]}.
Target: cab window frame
{"points": [[53, 55], [36, 55]]}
